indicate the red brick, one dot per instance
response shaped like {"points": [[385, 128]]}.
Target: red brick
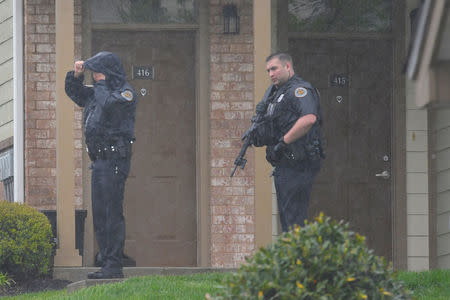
{"points": [[241, 106], [45, 105], [45, 9], [30, 28], [38, 19], [29, 10], [37, 133], [38, 38], [215, 105], [40, 107], [39, 58], [45, 48], [46, 144], [45, 68], [46, 163], [38, 76], [42, 114], [45, 86], [45, 123], [231, 93], [235, 115], [30, 104], [35, 154], [39, 172], [43, 28]]}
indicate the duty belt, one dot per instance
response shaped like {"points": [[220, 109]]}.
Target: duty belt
{"points": [[109, 151]]}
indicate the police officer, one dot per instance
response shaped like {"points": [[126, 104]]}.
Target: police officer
{"points": [[108, 118], [291, 132]]}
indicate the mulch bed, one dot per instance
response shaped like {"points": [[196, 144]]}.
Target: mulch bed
{"points": [[33, 286]]}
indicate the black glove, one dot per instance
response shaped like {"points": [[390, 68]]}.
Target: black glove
{"points": [[255, 140], [277, 151], [261, 108]]}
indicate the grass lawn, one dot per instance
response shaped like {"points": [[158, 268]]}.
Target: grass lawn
{"points": [[433, 285], [146, 287]]}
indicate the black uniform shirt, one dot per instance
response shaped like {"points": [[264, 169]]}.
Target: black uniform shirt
{"points": [[294, 99], [110, 106], [108, 115]]}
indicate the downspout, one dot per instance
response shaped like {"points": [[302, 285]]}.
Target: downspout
{"points": [[18, 101]]}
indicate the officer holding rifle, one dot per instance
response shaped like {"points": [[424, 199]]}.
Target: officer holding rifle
{"points": [[288, 121]]}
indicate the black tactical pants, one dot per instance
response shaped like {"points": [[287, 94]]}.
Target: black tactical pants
{"points": [[108, 185], [293, 188]]}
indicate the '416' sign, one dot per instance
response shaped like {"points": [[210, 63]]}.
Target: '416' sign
{"points": [[143, 72], [339, 80]]}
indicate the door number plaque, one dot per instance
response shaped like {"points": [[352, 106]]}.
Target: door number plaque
{"points": [[339, 80], [143, 72]]}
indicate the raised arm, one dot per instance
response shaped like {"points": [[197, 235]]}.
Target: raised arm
{"points": [[74, 87]]}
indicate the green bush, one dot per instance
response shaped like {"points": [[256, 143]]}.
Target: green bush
{"points": [[25, 241], [5, 281], [322, 260]]}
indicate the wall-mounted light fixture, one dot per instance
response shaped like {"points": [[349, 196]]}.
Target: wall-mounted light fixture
{"points": [[230, 19]]}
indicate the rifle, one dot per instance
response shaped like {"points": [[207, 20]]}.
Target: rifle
{"points": [[240, 160]]}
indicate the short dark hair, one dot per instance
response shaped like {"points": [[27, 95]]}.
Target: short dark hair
{"points": [[282, 56]]}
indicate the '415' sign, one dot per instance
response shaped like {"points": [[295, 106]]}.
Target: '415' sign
{"points": [[143, 72]]}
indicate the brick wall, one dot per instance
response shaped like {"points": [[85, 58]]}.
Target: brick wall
{"points": [[232, 199], [231, 81], [40, 105]]}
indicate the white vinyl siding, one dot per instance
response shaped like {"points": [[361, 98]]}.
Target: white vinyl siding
{"points": [[441, 164], [6, 69], [416, 173]]}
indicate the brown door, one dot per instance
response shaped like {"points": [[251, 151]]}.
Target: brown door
{"points": [[160, 198], [355, 81]]}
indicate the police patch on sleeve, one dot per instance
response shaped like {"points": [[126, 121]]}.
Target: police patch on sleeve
{"points": [[127, 94], [300, 92]]}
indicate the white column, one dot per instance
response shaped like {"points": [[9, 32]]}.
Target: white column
{"points": [[18, 101]]}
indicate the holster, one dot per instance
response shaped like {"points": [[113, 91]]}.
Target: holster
{"points": [[294, 154]]}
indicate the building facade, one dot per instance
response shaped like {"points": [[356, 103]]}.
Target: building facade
{"points": [[197, 96], [428, 74]]}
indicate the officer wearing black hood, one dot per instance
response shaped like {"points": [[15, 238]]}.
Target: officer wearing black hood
{"points": [[108, 118], [291, 132]]}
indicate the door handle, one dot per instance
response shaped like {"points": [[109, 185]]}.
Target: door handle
{"points": [[384, 175]]}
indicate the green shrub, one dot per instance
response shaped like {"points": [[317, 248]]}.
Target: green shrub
{"points": [[5, 281], [322, 260], [25, 241]]}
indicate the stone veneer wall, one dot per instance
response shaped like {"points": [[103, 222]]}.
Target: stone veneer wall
{"points": [[231, 82], [40, 105]]}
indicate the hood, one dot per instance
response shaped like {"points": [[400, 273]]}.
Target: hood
{"points": [[110, 65]]}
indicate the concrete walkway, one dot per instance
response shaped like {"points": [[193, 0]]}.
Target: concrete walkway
{"points": [[78, 275], [90, 282]]}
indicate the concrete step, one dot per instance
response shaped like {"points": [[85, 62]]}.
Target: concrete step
{"points": [[90, 282], [76, 274]]}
